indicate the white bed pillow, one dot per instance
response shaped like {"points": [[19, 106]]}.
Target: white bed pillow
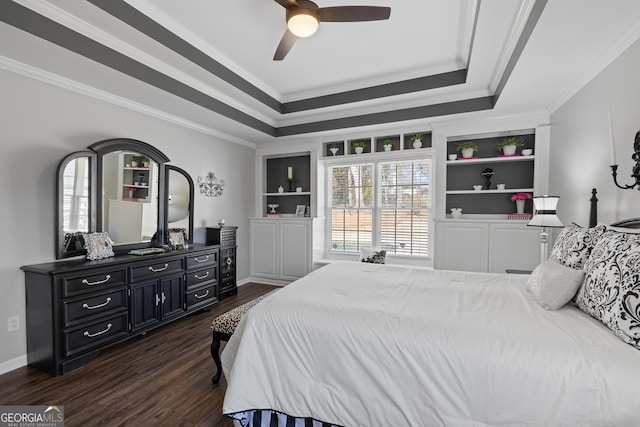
{"points": [[574, 244], [611, 290], [554, 284]]}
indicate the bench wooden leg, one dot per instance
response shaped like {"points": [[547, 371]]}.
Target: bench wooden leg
{"points": [[215, 353]]}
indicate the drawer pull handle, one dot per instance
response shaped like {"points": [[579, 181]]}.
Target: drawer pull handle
{"points": [[206, 258], [87, 334], [159, 269], [88, 307], [99, 282], [201, 277], [203, 296], [229, 261]]}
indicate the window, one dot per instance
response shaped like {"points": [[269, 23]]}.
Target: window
{"points": [[382, 204]]}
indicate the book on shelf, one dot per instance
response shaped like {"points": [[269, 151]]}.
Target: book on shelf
{"points": [[270, 214]]}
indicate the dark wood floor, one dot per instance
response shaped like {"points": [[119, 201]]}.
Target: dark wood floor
{"points": [[160, 379]]}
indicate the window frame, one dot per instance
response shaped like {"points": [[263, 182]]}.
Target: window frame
{"points": [[376, 159]]}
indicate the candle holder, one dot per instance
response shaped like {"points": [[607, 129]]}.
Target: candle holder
{"points": [[635, 171], [291, 181]]}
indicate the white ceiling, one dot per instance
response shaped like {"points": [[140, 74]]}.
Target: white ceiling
{"points": [[571, 42]]}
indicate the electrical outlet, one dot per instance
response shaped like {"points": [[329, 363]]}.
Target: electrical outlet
{"points": [[13, 323]]}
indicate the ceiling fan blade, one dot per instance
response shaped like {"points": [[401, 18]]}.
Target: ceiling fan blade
{"points": [[286, 3], [286, 43], [353, 13]]}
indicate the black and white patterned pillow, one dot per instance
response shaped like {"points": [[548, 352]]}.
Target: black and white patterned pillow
{"points": [[574, 245], [375, 257], [611, 289]]}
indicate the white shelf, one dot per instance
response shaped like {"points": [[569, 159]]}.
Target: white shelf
{"points": [[289, 193], [506, 191], [491, 160]]}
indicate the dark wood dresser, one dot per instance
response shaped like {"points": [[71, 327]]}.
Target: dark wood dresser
{"points": [[77, 307], [225, 237]]}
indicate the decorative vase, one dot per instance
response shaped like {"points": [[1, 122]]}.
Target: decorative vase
{"points": [[333, 151], [359, 150], [467, 153], [417, 143], [509, 150], [281, 189], [131, 194], [520, 206], [387, 148]]}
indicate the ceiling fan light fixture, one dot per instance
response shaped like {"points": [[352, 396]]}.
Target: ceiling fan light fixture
{"points": [[302, 22]]}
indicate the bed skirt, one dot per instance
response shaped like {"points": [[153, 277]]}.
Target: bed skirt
{"points": [[269, 418]]}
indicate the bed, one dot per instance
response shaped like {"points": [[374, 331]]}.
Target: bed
{"points": [[357, 344]]}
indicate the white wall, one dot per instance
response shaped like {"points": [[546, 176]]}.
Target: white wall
{"points": [[579, 159], [39, 125]]}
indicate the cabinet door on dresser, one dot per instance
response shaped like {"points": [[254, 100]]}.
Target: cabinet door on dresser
{"points": [[145, 305], [172, 296]]}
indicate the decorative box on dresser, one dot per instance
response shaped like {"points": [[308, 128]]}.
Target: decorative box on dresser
{"points": [[225, 237], [75, 308]]}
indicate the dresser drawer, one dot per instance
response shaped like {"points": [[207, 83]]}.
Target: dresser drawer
{"points": [[202, 296], [157, 268], [91, 281], [95, 334], [92, 305], [202, 259], [197, 277], [229, 240]]}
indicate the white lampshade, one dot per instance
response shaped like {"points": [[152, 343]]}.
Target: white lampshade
{"points": [[544, 214], [302, 23]]}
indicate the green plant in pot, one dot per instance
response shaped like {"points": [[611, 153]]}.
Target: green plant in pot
{"points": [[417, 140], [334, 149], [467, 148], [509, 145], [358, 146], [388, 144]]}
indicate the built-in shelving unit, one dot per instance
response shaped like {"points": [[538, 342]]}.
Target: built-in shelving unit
{"points": [[515, 172], [288, 173], [398, 142]]}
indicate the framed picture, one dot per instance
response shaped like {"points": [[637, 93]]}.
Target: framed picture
{"points": [[300, 209], [98, 245], [176, 239]]}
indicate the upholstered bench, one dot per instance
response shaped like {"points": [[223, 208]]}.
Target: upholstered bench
{"points": [[224, 326]]}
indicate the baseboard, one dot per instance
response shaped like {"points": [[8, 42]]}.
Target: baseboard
{"points": [[267, 281], [12, 364]]}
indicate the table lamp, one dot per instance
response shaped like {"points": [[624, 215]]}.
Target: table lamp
{"points": [[544, 215]]}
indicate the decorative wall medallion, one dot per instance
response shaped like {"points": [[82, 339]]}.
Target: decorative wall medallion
{"points": [[210, 186]]}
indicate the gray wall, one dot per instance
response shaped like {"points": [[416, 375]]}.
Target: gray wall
{"points": [[41, 123], [580, 143]]}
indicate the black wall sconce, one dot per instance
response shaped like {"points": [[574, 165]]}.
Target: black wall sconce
{"points": [[635, 171]]}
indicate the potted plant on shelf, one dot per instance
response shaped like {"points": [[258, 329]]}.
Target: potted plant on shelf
{"points": [[520, 199], [467, 149], [509, 145], [388, 144], [333, 148], [358, 146], [417, 140]]}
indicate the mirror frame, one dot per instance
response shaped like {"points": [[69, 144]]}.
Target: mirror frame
{"points": [[168, 169], [60, 252], [107, 146]]}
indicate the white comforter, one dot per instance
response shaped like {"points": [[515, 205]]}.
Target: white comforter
{"points": [[372, 345]]}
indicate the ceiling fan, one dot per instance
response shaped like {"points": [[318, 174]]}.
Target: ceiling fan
{"points": [[303, 17]]}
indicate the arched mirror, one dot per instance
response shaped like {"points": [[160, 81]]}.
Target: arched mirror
{"points": [[179, 201], [129, 177], [118, 187], [76, 207]]}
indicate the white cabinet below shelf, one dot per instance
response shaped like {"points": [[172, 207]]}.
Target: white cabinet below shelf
{"points": [[282, 249], [486, 246]]}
